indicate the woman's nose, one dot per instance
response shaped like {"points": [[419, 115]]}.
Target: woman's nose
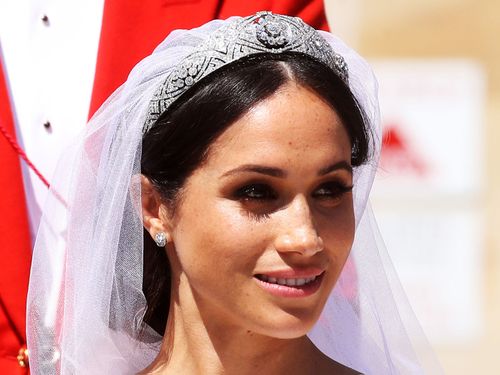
{"points": [[298, 234]]}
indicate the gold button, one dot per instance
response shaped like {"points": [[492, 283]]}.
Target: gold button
{"points": [[23, 357]]}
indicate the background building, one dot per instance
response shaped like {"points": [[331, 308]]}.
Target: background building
{"points": [[443, 57]]}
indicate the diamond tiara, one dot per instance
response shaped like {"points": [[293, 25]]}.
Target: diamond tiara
{"points": [[263, 32]]}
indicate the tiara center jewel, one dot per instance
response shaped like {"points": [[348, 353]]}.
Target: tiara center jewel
{"points": [[271, 33]]}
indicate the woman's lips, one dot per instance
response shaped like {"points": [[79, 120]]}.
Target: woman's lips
{"points": [[295, 286], [294, 273]]}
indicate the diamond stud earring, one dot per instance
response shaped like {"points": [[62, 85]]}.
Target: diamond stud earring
{"points": [[161, 239]]}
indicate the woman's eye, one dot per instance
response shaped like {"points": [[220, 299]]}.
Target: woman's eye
{"points": [[256, 192], [331, 190]]}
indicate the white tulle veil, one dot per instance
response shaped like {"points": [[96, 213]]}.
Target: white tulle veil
{"points": [[85, 300]]}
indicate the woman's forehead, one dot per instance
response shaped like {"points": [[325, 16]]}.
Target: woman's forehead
{"points": [[290, 123]]}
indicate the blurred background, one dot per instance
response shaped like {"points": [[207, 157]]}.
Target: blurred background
{"points": [[437, 197]]}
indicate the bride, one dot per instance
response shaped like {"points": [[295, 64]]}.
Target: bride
{"points": [[214, 218]]}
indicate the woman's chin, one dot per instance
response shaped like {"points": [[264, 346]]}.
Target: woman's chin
{"points": [[287, 326]]}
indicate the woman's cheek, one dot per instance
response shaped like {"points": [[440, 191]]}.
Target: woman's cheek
{"points": [[226, 240], [339, 226]]}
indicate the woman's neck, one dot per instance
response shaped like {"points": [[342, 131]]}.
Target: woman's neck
{"points": [[199, 343]]}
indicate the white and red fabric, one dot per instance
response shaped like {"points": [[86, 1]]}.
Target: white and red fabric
{"points": [[15, 243]]}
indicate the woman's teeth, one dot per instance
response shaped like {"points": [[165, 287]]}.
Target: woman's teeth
{"points": [[287, 282]]}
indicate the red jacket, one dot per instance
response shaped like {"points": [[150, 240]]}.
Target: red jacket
{"points": [[15, 246]]}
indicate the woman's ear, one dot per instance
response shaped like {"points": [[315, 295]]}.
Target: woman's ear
{"points": [[154, 212]]}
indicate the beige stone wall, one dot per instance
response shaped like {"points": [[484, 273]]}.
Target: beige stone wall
{"points": [[445, 29]]}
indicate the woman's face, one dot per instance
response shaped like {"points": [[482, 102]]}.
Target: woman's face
{"points": [[271, 205]]}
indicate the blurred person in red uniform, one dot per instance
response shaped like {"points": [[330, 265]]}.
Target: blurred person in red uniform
{"points": [[131, 30]]}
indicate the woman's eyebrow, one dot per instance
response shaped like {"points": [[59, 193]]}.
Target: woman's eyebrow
{"points": [[255, 168], [280, 173], [343, 164]]}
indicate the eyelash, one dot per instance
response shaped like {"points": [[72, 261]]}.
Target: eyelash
{"points": [[263, 192], [338, 189], [248, 192]]}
